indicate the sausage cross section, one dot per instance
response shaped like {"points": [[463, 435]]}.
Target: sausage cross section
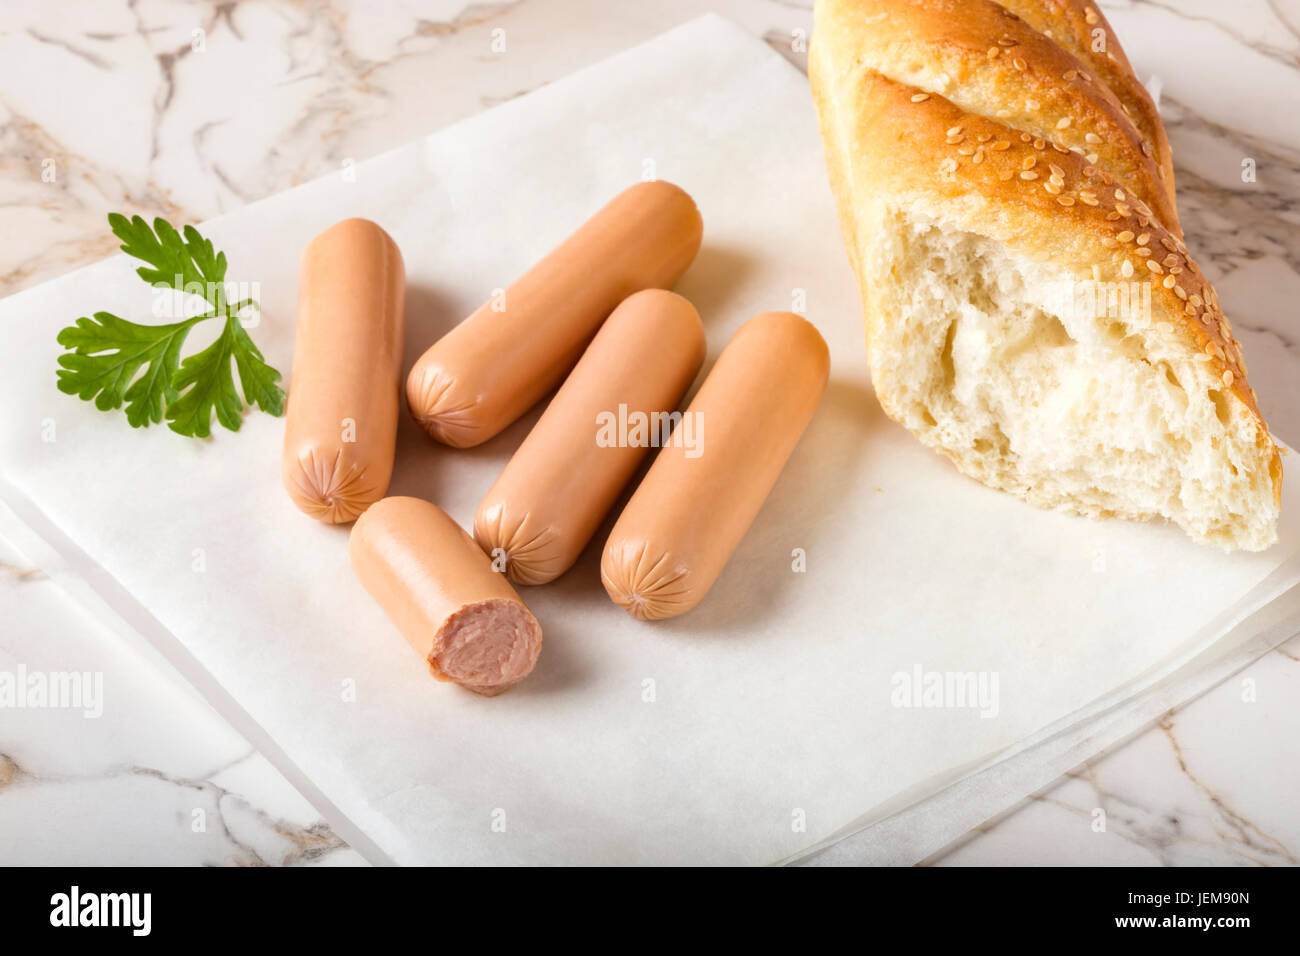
{"points": [[619, 401], [345, 391], [495, 365], [699, 498], [440, 591]]}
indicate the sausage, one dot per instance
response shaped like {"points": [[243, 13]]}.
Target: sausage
{"points": [[494, 366], [688, 515], [345, 392], [569, 471], [435, 584]]}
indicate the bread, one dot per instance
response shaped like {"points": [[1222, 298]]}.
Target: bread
{"points": [[1006, 198]]}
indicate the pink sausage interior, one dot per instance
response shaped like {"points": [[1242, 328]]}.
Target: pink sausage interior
{"points": [[487, 647]]}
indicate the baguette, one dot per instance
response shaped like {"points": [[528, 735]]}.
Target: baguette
{"points": [[1005, 193]]}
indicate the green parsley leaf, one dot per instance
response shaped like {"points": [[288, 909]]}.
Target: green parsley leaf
{"points": [[108, 352], [206, 384], [176, 261]]}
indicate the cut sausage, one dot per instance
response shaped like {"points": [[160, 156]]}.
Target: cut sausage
{"points": [[435, 584], [345, 393], [494, 366], [701, 494], [618, 402]]}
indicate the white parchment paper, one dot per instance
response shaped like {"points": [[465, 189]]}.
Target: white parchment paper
{"points": [[749, 730]]}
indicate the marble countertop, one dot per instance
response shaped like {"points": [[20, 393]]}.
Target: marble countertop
{"points": [[190, 110]]}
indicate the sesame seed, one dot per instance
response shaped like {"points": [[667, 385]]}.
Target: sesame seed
{"points": [[1093, 138], [1069, 75], [966, 150], [1018, 63], [1091, 157], [954, 130], [1142, 207], [1146, 149], [1090, 15], [1122, 209], [1178, 291], [1144, 238], [920, 97], [1125, 236], [1039, 143], [1126, 269], [1026, 138], [1170, 260], [1000, 145], [1113, 216], [1058, 147], [1029, 174], [1164, 241], [1154, 267], [1108, 243], [984, 137], [1142, 251], [1119, 195], [1227, 377], [1196, 300], [1056, 170], [1052, 187], [1006, 41], [993, 52], [1065, 200], [1085, 77], [1028, 162], [1169, 282], [1063, 123], [979, 156]]}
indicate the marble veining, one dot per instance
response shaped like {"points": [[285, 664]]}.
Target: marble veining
{"points": [[192, 110]]}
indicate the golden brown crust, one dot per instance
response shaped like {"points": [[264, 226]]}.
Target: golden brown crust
{"points": [[893, 143], [1081, 27], [986, 59]]}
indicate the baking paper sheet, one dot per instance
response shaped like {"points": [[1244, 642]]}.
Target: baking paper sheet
{"points": [[757, 726]]}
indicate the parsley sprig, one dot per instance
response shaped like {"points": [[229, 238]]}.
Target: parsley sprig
{"points": [[107, 353]]}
